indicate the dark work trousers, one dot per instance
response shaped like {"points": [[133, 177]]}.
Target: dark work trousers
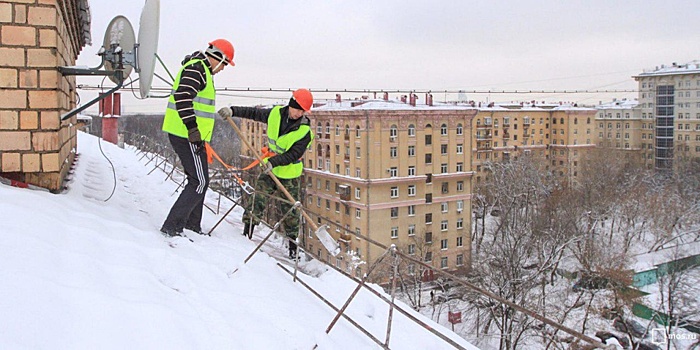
{"points": [[187, 210]]}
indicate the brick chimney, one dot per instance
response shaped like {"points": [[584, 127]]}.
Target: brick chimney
{"points": [[412, 99], [429, 99], [337, 98], [403, 98], [386, 96]]}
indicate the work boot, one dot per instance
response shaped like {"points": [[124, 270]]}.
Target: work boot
{"points": [[197, 230], [171, 232], [248, 230]]}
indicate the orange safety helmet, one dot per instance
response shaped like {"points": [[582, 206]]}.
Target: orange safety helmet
{"points": [[223, 47], [303, 98]]}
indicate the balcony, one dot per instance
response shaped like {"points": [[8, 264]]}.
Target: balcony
{"points": [[506, 136]]}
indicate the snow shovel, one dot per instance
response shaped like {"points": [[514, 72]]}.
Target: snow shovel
{"points": [[321, 232]]}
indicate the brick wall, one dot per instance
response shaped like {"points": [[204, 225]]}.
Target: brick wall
{"points": [[37, 36]]}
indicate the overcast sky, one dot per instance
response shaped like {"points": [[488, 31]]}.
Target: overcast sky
{"points": [[417, 45]]}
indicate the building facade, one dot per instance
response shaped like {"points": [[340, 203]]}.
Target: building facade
{"points": [[393, 172], [669, 104], [558, 134], [37, 36]]}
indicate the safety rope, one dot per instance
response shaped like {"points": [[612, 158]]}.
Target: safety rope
{"points": [[211, 155]]}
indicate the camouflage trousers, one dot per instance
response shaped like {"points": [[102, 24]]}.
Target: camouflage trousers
{"points": [[259, 203]]}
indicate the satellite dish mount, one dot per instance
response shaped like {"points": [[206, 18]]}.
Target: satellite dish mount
{"points": [[120, 53]]}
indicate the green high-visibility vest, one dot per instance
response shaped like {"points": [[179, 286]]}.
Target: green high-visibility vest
{"points": [[204, 107], [280, 144]]}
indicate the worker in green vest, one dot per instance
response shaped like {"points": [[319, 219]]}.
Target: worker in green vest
{"points": [[288, 137], [189, 122]]}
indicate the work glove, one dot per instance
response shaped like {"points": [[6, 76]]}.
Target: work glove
{"points": [[225, 113], [266, 166], [195, 137]]}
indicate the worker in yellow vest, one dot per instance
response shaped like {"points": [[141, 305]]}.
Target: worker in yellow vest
{"points": [[189, 122], [288, 137]]}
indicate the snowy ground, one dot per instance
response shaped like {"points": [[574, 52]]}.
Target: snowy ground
{"points": [[81, 273]]}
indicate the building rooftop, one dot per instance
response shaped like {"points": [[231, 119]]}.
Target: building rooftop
{"points": [[396, 104], [619, 104], [673, 69]]}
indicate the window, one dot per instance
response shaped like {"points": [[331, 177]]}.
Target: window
{"points": [[393, 172], [428, 257], [393, 152], [319, 129], [337, 130], [444, 207], [411, 170], [443, 244], [460, 186], [357, 131], [459, 241], [358, 172], [428, 237], [358, 213], [411, 210], [411, 230], [357, 152], [328, 204], [411, 130], [393, 132], [428, 178], [411, 249], [444, 225], [428, 197], [443, 168], [411, 190], [394, 232], [411, 151], [428, 218], [428, 158], [394, 192], [445, 187], [460, 148], [460, 223], [428, 140], [443, 149], [460, 167], [460, 206], [460, 259], [394, 212], [460, 130], [328, 185], [443, 262], [443, 129], [357, 193]]}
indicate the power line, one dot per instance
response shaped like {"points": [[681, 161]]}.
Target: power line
{"points": [[367, 91]]}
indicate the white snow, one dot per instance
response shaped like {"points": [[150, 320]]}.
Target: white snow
{"points": [[81, 273]]}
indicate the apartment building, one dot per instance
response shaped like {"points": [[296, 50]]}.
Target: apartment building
{"points": [[669, 105], [556, 133], [395, 172], [619, 125]]}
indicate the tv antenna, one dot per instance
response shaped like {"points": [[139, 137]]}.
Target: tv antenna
{"points": [[121, 54]]}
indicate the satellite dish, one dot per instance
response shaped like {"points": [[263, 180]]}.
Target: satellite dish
{"points": [[121, 54], [148, 45], [119, 39]]}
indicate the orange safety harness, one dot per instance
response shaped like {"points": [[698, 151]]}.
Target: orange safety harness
{"points": [[211, 154]]}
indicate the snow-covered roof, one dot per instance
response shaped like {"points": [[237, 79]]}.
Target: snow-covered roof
{"points": [[619, 104], [395, 104], [692, 67]]}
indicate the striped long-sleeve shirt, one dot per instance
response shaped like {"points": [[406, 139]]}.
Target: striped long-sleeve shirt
{"points": [[192, 81]]}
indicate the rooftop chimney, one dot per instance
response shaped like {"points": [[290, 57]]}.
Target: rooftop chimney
{"points": [[386, 96], [403, 98], [337, 98], [429, 99], [413, 99]]}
